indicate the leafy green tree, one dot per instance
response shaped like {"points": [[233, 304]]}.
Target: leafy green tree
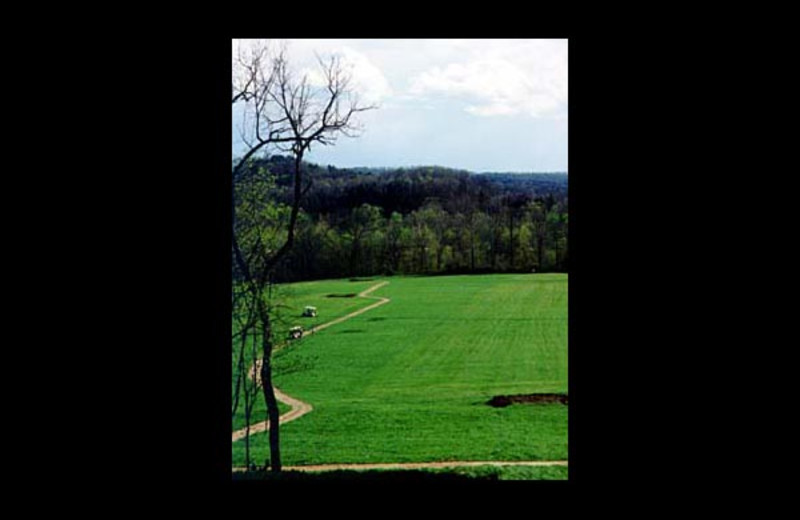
{"points": [[435, 223], [259, 228], [364, 222], [527, 253], [538, 215], [392, 248]]}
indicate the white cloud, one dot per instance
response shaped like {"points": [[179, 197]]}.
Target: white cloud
{"points": [[367, 80], [503, 78], [429, 89]]}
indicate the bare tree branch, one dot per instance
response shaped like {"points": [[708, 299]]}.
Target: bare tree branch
{"points": [[286, 114]]}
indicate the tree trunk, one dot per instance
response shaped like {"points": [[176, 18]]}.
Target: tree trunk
{"points": [[355, 258], [471, 244], [555, 246], [494, 246], [269, 393], [247, 409], [511, 236], [273, 415], [395, 258], [240, 367], [239, 373], [540, 250]]}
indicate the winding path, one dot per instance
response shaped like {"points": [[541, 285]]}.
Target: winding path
{"points": [[362, 294], [300, 408], [419, 465]]}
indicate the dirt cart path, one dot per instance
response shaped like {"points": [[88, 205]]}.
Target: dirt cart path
{"points": [[300, 408], [420, 465], [362, 294]]}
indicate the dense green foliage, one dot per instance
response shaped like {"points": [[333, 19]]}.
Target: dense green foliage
{"points": [[408, 381], [424, 220]]}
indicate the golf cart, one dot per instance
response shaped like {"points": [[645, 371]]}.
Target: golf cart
{"points": [[310, 312], [296, 332]]}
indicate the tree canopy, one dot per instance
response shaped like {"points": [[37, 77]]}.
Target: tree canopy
{"points": [[427, 219]]}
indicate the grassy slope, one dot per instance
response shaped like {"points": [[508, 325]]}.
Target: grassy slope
{"points": [[289, 301], [511, 472], [408, 381], [430, 475]]}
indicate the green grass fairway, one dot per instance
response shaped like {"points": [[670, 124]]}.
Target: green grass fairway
{"points": [[290, 300], [410, 475], [408, 381]]}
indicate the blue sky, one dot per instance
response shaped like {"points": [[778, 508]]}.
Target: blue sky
{"points": [[480, 105]]}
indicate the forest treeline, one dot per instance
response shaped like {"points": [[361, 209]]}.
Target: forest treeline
{"points": [[418, 220]]}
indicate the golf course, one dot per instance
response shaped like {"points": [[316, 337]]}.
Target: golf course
{"points": [[408, 380]]}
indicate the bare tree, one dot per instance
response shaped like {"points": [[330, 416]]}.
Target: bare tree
{"points": [[287, 113]]}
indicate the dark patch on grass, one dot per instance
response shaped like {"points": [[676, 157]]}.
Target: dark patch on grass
{"points": [[351, 331], [501, 401], [375, 319], [348, 295], [362, 279]]}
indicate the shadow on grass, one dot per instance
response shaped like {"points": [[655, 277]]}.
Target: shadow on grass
{"points": [[371, 475]]}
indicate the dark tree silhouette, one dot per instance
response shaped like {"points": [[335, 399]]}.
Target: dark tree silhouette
{"points": [[287, 113]]}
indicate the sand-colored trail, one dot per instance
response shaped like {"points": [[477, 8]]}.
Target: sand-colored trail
{"points": [[300, 408], [419, 465]]}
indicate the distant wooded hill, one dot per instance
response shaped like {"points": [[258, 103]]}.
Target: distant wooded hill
{"points": [[426, 219], [407, 189], [539, 183]]}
